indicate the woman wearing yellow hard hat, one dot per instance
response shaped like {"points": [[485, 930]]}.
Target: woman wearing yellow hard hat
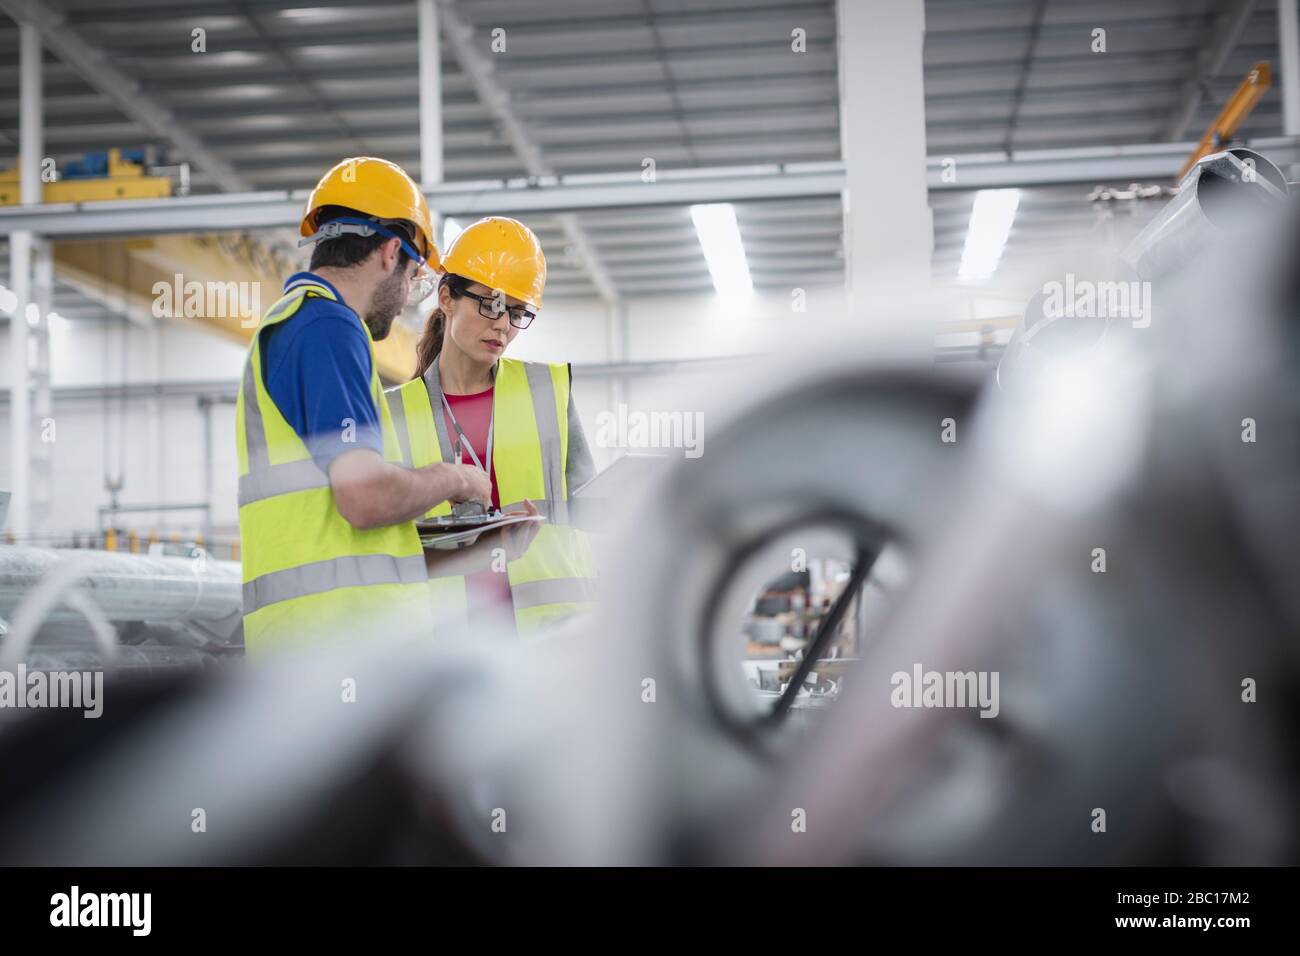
{"points": [[516, 420]]}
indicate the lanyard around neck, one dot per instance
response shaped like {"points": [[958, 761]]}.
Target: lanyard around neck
{"points": [[462, 437]]}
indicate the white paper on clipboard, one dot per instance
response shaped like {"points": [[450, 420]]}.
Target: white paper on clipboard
{"points": [[454, 540]]}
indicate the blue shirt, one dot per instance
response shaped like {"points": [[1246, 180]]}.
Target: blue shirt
{"points": [[317, 369]]}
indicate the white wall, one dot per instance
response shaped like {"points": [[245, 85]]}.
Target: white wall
{"points": [[158, 440]]}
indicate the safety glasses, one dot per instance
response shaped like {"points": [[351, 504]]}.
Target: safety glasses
{"points": [[491, 306], [423, 284]]}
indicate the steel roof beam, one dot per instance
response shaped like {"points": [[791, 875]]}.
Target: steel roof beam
{"points": [[1222, 39], [571, 194], [547, 194], [495, 97]]}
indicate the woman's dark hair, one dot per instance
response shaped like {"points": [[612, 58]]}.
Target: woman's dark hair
{"points": [[345, 251], [430, 344]]}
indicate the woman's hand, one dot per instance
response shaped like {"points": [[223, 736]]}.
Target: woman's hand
{"points": [[517, 537]]}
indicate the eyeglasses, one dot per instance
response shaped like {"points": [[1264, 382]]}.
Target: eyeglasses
{"points": [[423, 284], [491, 306]]}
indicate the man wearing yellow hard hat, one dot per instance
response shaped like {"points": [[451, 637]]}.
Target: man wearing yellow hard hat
{"points": [[514, 420], [326, 507]]}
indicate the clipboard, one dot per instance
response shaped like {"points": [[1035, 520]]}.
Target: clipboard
{"points": [[453, 532]]}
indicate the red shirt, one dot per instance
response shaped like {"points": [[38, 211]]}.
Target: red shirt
{"points": [[489, 588], [474, 412]]}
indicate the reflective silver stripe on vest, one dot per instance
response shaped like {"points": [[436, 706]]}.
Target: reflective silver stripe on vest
{"points": [[320, 576], [254, 431], [397, 409], [275, 480], [433, 385], [553, 591], [265, 480], [542, 388]]}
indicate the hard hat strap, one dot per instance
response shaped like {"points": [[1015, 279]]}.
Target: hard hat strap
{"points": [[353, 226]]}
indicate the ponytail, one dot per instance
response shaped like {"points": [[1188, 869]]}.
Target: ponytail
{"points": [[430, 344]]}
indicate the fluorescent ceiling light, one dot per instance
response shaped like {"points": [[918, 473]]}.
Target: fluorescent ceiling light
{"points": [[251, 91], [719, 234], [990, 224], [450, 230], [319, 14]]}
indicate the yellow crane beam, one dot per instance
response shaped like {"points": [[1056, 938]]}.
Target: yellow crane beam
{"points": [[221, 284], [1233, 114], [125, 180]]}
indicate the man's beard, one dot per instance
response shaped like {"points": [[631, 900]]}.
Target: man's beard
{"points": [[385, 305]]}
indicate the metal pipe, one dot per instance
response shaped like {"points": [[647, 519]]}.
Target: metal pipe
{"points": [[215, 392], [1218, 193], [1288, 44], [205, 406], [57, 589], [430, 95], [148, 657], [31, 142], [128, 587]]}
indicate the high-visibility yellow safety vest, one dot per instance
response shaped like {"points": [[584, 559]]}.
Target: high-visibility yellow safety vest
{"points": [[556, 575], [307, 571]]}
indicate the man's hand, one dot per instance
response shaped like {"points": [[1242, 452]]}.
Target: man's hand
{"points": [[372, 493], [481, 555], [469, 483]]}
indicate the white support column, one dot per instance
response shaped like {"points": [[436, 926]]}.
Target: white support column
{"points": [[430, 52], [1288, 43], [616, 351], [40, 477], [30, 149], [20, 274], [888, 228]]}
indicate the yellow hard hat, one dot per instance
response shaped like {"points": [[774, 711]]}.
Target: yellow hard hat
{"points": [[377, 188], [502, 254]]}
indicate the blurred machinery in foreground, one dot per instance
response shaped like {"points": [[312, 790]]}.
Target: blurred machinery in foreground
{"points": [[1225, 194], [1110, 548]]}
